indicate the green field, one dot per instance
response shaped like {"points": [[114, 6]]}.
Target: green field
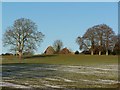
{"points": [[63, 59], [61, 71]]}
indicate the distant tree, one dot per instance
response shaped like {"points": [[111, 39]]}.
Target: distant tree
{"points": [[105, 38], [88, 39], [96, 49], [22, 36], [97, 38], [7, 54], [82, 44], [90, 35], [57, 45], [116, 49]]}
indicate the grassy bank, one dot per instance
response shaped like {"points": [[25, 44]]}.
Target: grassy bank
{"points": [[62, 59]]}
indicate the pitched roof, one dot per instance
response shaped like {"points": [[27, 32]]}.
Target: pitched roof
{"points": [[49, 50], [64, 51]]}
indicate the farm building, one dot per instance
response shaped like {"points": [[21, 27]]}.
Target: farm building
{"points": [[64, 51], [49, 50]]}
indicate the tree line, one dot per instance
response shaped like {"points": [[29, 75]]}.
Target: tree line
{"points": [[98, 39], [24, 37]]}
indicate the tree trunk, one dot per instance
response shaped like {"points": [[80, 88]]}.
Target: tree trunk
{"points": [[15, 53], [20, 56], [101, 40], [92, 52], [107, 52], [99, 52]]}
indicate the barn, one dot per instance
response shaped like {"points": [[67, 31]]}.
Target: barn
{"points": [[49, 51]]}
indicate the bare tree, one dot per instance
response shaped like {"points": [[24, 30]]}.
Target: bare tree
{"points": [[101, 36], [82, 44], [110, 38], [99, 30], [116, 48], [57, 45], [22, 36], [91, 36], [105, 37]]}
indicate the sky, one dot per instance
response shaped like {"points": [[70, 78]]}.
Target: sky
{"points": [[0, 28], [61, 20], [60, 0]]}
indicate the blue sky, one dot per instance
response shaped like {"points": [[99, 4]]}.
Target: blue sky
{"points": [[0, 28], [64, 21], [60, 0]]}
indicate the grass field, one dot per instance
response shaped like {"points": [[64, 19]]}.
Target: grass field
{"points": [[63, 59], [60, 71]]}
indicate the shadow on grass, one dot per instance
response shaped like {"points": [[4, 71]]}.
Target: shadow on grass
{"points": [[8, 88], [15, 63], [40, 56], [20, 71], [24, 64]]}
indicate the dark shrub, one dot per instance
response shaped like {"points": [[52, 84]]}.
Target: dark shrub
{"points": [[77, 52], [7, 54]]}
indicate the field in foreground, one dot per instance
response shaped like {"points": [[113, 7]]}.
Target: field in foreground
{"points": [[60, 71]]}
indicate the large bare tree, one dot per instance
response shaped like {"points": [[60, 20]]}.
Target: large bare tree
{"points": [[23, 36], [101, 36], [90, 35], [106, 37]]}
